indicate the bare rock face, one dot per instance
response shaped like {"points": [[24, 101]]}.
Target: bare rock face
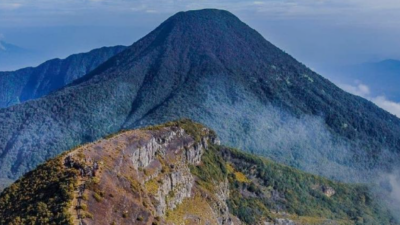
{"points": [[328, 191], [142, 176], [220, 206], [175, 187], [325, 189], [281, 221], [173, 174], [144, 155]]}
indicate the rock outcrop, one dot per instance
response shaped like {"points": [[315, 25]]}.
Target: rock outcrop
{"points": [[177, 174], [328, 191], [156, 165]]}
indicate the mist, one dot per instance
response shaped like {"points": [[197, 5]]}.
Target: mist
{"points": [[242, 121], [304, 142], [389, 191]]}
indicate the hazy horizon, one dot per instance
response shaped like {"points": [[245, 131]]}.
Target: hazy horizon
{"points": [[322, 34], [318, 33]]}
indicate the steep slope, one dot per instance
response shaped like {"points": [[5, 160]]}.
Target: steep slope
{"points": [[31, 83], [209, 66], [178, 174]]}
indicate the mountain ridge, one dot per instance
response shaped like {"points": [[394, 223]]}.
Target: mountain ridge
{"points": [[14, 56], [34, 82], [7, 47], [177, 173], [209, 66]]}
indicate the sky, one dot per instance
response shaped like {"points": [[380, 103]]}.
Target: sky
{"points": [[363, 90], [317, 32], [320, 33]]}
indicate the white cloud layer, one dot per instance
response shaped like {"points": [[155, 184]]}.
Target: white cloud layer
{"points": [[363, 90], [392, 107]]}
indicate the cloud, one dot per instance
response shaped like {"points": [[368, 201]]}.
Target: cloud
{"points": [[9, 5], [363, 90], [358, 89], [389, 189], [392, 107], [151, 11]]}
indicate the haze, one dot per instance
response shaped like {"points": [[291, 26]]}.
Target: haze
{"points": [[323, 34]]}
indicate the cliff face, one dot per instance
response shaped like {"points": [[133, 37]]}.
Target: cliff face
{"points": [[142, 176], [177, 173], [208, 66]]}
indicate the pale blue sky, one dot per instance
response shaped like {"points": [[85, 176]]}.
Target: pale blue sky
{"points": [[317, 32]]}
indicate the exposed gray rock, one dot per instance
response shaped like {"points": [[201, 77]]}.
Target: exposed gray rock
{"points": [[176, 185], [281, 222], [220, 205], [175, 188], [328, 191], [145, 154]]}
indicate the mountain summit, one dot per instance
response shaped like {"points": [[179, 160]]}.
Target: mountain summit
{"points": [[210, 67]]}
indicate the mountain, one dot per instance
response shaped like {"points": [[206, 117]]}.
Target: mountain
{"points": [[178, 173], [210, 67], [31, 83], [6, 48], [12, 55]]}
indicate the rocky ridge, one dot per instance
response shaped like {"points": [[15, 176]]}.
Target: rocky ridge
{"points": [[155, 164], [209, 66], [177, 173]]}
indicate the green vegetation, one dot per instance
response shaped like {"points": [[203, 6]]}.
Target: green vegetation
{"points": [[31, 83], [196, 206], [259, 190], [97, 197], [212, 169], [192, 128], [40, 197], [239, 176], [152, 186], [208, 66], [264, 188]]}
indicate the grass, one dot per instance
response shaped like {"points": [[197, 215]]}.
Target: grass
{"points": [[294, 191], [195, 207], [192, 128], [41, 196], [97, 197], [152, 186], [258, 189], [241, 177]]}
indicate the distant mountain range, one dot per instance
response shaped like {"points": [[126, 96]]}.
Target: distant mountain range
{"points": [[177, 173], [382, 77], [6, 48], [210, 67], [31, 83], [13, 55]]}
